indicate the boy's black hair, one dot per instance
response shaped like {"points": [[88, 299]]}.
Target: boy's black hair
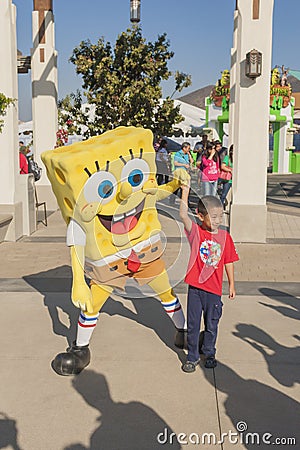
{"points": [[207, 202]]}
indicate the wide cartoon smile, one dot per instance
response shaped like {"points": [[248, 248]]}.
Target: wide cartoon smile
{"points": [[122, 223]]}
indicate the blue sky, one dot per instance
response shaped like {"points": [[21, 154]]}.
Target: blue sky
{"points": [[200, 33]]}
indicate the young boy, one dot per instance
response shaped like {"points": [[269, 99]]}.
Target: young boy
{"points": [[211, 250]]}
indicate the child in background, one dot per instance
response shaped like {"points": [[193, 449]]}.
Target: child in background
{"points": [[211, 249], [210, 166]]}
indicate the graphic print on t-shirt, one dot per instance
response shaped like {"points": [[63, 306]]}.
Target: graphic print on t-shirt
{"points": [[210, 252]]}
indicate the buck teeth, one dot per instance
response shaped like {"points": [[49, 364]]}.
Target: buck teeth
{"points": [[117, 218], [131, 213]]}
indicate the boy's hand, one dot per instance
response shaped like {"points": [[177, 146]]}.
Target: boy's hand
{"points": [[231, 292], [185, 188]]}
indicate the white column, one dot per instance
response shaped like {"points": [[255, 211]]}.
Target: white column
{"points": [[9, 168], [44, 94], [249, 118], [284, 155]]}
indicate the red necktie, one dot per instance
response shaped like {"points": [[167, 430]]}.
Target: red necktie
{"points": [[133, 262]]}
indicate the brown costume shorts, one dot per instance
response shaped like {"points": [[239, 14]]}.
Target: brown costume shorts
{"points": [[115, 274]]}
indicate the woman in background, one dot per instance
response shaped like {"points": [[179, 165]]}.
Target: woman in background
{"points": [[162, 163], [210, 167]]}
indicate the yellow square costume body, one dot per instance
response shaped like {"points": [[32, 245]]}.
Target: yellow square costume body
{"points": [[107, 192]]}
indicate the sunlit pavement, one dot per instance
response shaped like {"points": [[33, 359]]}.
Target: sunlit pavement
{"points": [[134, 394]]}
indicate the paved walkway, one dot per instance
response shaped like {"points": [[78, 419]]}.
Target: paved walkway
{"points": [[134, 389]]}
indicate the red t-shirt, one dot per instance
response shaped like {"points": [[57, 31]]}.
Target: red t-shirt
{"points": [[23, 163], [209, 253]]}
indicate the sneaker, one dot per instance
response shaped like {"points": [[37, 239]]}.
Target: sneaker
{"points": [[190, 366], [210, 362]]}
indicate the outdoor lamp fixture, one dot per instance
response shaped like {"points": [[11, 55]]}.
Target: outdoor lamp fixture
{"points": [[135, 11], [253, 64]]}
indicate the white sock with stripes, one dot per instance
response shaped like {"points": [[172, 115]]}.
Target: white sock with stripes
{"points": [[86, 326], [174, 311]]}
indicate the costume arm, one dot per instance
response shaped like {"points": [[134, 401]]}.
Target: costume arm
{"points": [[165, 190], [81, 293]]}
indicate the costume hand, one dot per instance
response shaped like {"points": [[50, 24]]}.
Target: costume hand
{"points": [[182, 176], [82, 297]]}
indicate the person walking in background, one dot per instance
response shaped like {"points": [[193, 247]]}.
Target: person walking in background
{"points": [[182, 160], [162, 163], [23, 163], [195, 152], [157, 143], [226, 175], [222, 151], [210, 166], [22, 148], [204, 142]]}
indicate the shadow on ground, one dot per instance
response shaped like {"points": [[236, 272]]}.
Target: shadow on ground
{"points": [[283, 191], [263, 408], [291, 304], [8, 432], [149, 311], [55, 286], [132, 426], [282, 361]]}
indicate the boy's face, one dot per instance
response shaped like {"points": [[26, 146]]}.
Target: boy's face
{"points": [[213, 219]]}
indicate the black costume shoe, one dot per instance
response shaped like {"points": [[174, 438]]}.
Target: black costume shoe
{"points": [[180, 339], [73, 361]]}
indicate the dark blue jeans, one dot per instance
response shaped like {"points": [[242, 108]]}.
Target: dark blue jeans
{"points": [[210, 305], [225, 190]]}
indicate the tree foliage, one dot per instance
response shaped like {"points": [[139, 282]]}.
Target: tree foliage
{"points": [[4, 104], [122, 84]]}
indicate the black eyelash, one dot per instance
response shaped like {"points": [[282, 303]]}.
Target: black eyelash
{"points": [[107, 166], [141, 153], [123, 160], [97, 166], [131, 153], [87, 171]]}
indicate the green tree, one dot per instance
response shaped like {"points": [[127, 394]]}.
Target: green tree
{"points": [[4, 104], [123, 84]]}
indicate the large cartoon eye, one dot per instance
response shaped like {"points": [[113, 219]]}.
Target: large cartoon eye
{"points": [[136, 173], [100, 187], [135, 177]]}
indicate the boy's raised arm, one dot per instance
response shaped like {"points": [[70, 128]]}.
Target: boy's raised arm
{"points": [[183, 211]]}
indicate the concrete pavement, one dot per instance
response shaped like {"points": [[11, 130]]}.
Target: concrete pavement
{"points": [[134, 389]]}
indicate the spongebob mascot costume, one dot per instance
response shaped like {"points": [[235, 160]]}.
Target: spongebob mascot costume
{"points": [[107, 192]]}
